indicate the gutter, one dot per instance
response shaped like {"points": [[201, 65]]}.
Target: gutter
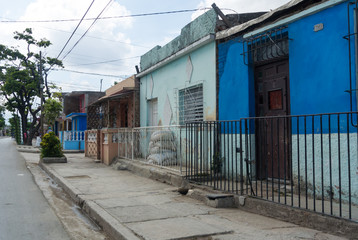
{"points": [[201, 42]]}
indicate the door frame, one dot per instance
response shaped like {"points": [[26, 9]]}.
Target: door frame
{"points": [[261, 168]]}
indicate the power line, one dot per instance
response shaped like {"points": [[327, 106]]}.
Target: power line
{"points": [[109, 61], [104, 18], [94, 21], [89, 36], [69, 85], [76, 28], [90, 73]]}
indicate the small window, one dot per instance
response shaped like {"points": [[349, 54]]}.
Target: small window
{"points": [[153, 112], [275, 100], [191, 104]]}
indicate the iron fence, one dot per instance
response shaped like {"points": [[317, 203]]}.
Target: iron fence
{"points": [[307, 161], [160, 146]]}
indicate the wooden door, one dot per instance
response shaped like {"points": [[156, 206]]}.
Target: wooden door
{"points": [[272, 132]]}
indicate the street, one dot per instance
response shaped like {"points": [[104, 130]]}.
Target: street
{"points": [[25, 213]]}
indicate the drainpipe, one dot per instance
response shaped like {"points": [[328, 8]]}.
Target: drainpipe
{"points": [[356, 46], [348, 37]]}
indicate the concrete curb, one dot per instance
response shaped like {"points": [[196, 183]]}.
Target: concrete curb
{"points": [[109, 224], [30, 149], [152, 172], [301, 217]]}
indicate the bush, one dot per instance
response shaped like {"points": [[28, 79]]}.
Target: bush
{"points": [[51, 146]]}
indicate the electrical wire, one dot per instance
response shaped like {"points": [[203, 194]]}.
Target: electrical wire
{"points": [[94, 21], [105, 18], [76, 28], [109, 61], [89, 73]]}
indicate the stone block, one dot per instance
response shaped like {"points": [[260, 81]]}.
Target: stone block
{"points": [[54, 160]]}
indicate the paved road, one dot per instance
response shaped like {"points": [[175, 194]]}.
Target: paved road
{"points": [[24, 212]]}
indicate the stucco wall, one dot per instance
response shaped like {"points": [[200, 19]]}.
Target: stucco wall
{"points": [[318, 68], [318, 81], [319, 73], [234, 83], [192, 32], [166, 81]]}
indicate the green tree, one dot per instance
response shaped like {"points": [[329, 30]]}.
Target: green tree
{"points": [[15, 128], [52, 110], [2, 118], [21, 77]]}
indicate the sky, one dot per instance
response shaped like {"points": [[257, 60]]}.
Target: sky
{"points": [[112, 47]]}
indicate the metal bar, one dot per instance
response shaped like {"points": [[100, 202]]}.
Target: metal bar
{"points": [[330, 164], [313, 167], [192, 149], [322, 177], [241, 163], [180, 151], [236, 172], [306, 188], [262, 125], [232, 156], [272, 150], [250, 157], [349, 170], [226, 155], [339, 166], [284, 158], [298, 168], [266, 158], [247, 156], [278, 160], [256, 160]]}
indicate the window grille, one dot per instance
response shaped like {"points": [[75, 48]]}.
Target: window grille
{"points": [[191, 104], [267, 46]]}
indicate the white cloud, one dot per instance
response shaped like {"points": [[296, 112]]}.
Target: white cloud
{"points": [[106, 40], [240, 6]]}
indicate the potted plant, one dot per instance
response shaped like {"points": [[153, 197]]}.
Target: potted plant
{"points": [[51, 149]]}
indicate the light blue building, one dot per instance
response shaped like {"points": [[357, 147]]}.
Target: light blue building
{"points": [[298, 61], [178, 80]]}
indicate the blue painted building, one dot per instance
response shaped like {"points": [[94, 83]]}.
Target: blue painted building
{"points": [[318, 60], [297, 60], [74, 122]]}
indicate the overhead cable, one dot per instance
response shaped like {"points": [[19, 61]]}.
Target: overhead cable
{"points": [[76, 28], [109, 61], [94, 21], [89, 73], [104, 18]]}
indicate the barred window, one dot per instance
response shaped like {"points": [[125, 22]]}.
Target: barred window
{"points": [[191, 104]]}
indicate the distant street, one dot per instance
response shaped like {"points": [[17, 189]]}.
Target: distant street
{"points": [[24, 212]]}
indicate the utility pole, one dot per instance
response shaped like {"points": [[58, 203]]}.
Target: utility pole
{"points": [[41, 95], [100, 89]]}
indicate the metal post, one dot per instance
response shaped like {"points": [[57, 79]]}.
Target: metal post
{"points": [[41, 96]]}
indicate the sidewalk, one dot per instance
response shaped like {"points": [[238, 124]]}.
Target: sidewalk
{"points": [[128, 206]]}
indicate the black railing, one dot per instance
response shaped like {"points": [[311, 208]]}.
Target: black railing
{"points": [[305, 161]]}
